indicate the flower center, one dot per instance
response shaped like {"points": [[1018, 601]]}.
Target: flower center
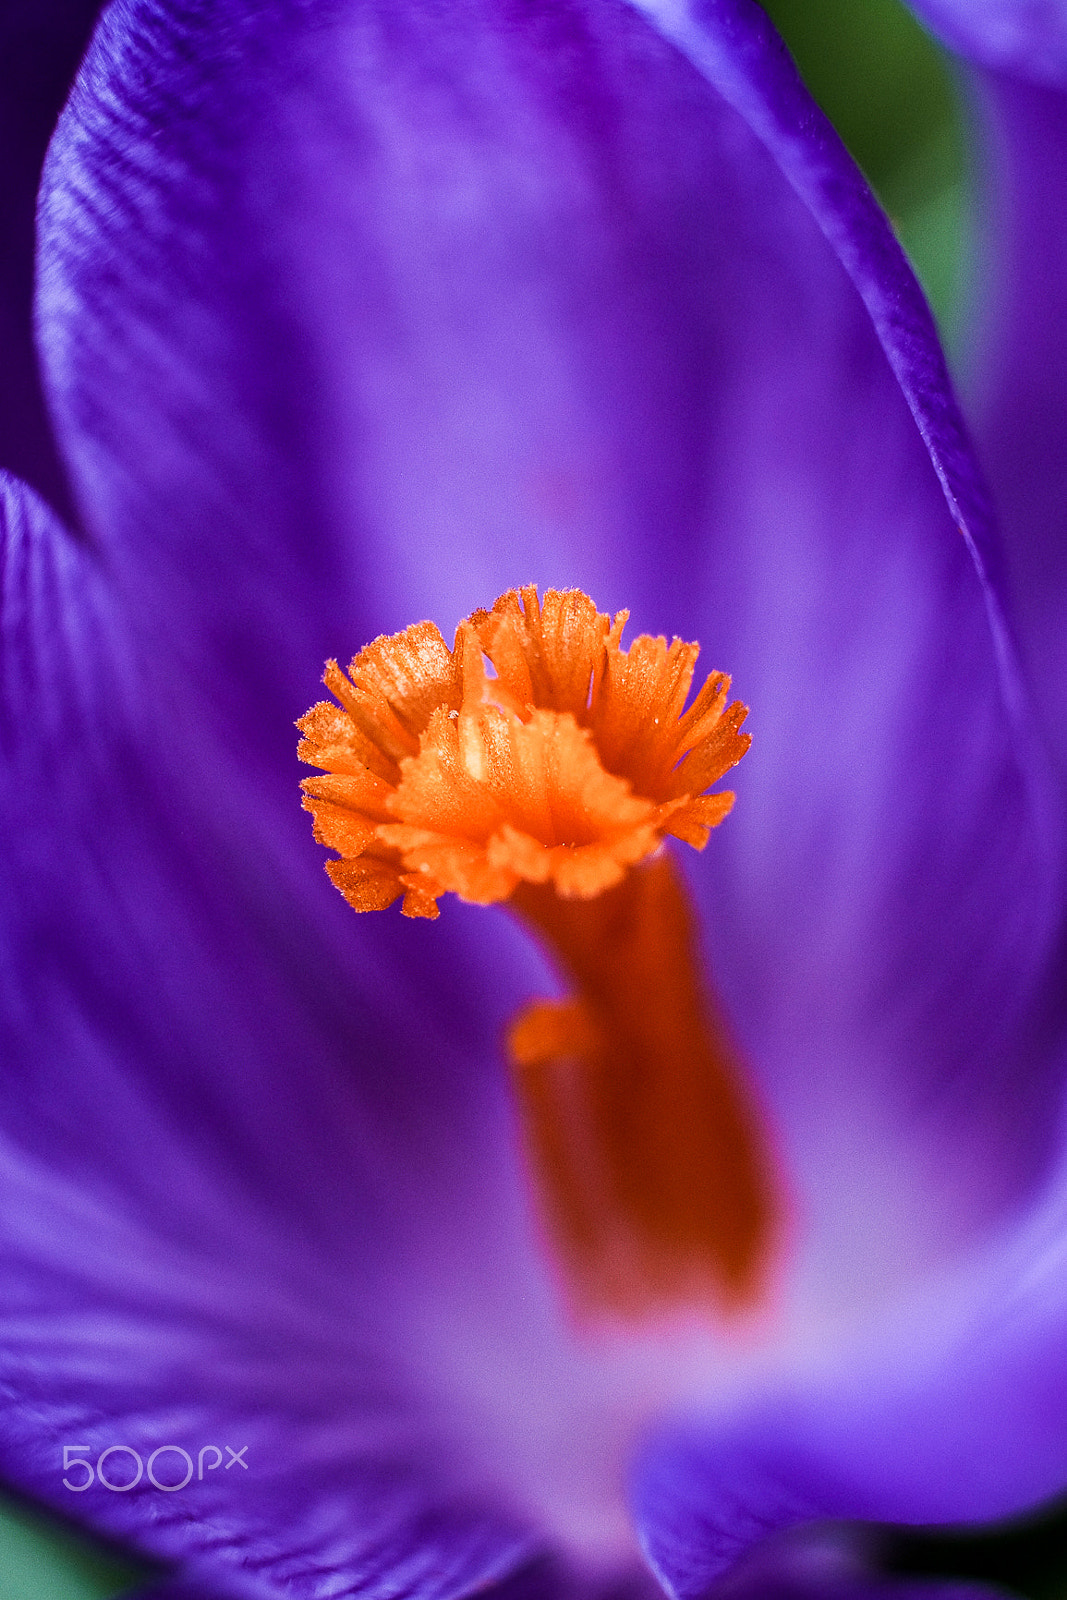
{"points": [[550, 783]]}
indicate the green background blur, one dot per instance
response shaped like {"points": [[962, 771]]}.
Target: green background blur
{"points": [[890, 93]]}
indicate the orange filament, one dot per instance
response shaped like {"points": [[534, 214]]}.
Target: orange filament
{"points": [[549, 782]]}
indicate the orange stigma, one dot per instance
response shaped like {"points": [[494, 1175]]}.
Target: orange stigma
{"points": [[539, 763]]}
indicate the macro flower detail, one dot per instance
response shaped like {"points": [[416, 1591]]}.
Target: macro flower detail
{"points": [[344, 314], [566, 767], [549, 784]]}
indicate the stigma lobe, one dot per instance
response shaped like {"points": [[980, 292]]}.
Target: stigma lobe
{"points": [[567, 767]]}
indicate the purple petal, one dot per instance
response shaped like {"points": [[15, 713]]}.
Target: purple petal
{"points": [[734, 48], [825, 1560], [1018, 376], [338, 319], [958, 1420], [535, 1581], [1027, 38], [1020, 381], [233, 1179], [258, 1183], [41, 42]]}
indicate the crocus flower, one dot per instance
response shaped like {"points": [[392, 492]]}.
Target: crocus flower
{"points": [[352, 315]]}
